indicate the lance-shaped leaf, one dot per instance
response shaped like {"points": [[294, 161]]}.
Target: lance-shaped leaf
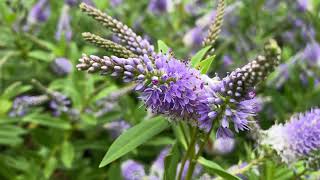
{"points": [[134, 137]]}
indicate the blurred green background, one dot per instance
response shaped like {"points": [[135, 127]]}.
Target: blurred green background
{"points": [[39, 139]]}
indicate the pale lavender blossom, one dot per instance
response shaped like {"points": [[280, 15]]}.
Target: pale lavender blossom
{"points": [[296, 139], [22, 104], [40, 12], [116, 128], [115, 3], [237, 167], [61, 66], [194, 37], [303, 5], [132, 170], [64, 27], [312, 53], [197, 171], [157, 168], [71, 2], [224, 145], [227, 60], [160, 6], [59, 104]]}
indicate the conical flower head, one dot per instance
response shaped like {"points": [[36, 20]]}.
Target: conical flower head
{"points": [[167, 85], [298, 138], [232, 98]]}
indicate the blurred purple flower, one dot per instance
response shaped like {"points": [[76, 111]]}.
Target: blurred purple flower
{"points": [[39, 12], [61, 66], [196, 172], [132, 170], [157, 168], [59, 104], [22, 104], [194, 7], [63, 26], [312, 53], [115, 3], [160, 6], [238, 167], [116, 128], [227, 60], [303, 5], [71, 2], [224, 145], [194, 37], [296, 139]]}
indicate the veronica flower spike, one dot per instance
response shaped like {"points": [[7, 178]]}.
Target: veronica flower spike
{"points": [[297, 139]]}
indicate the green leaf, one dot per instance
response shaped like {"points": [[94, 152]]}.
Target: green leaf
{"points": [[11, 130], [171, 162], [199, 56], [162, 47], [5, 106], [179, 135], [41, 55], [134, 137], [114, 171], [214, 168], [50, 167], [204, 65], [46, 120], [160, 141], [14, 89], [67, 154]]}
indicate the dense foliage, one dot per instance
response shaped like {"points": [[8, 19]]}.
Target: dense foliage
{"points": [[176, 89]]}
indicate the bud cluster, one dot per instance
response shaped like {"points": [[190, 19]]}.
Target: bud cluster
{"points": [[131, 40], [233, 96], [112, 47]]}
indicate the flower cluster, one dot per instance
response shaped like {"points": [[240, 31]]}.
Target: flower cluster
{"points": [[173, 88], [299, 138], [167, 85], [233, 96]]}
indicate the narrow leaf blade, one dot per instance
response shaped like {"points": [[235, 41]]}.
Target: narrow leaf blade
{"points": [[199, 56], [214, 168], [171, 162], [162, 47], [134, 137]]}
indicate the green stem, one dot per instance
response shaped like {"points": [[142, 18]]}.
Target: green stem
{"points": [[190, 147], [203, 143]]}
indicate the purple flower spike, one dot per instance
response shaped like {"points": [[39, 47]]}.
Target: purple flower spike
{"points": [[64, 27], [61, 66], [39, 12], [22, 104], [132, 170], [296, 139]]}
